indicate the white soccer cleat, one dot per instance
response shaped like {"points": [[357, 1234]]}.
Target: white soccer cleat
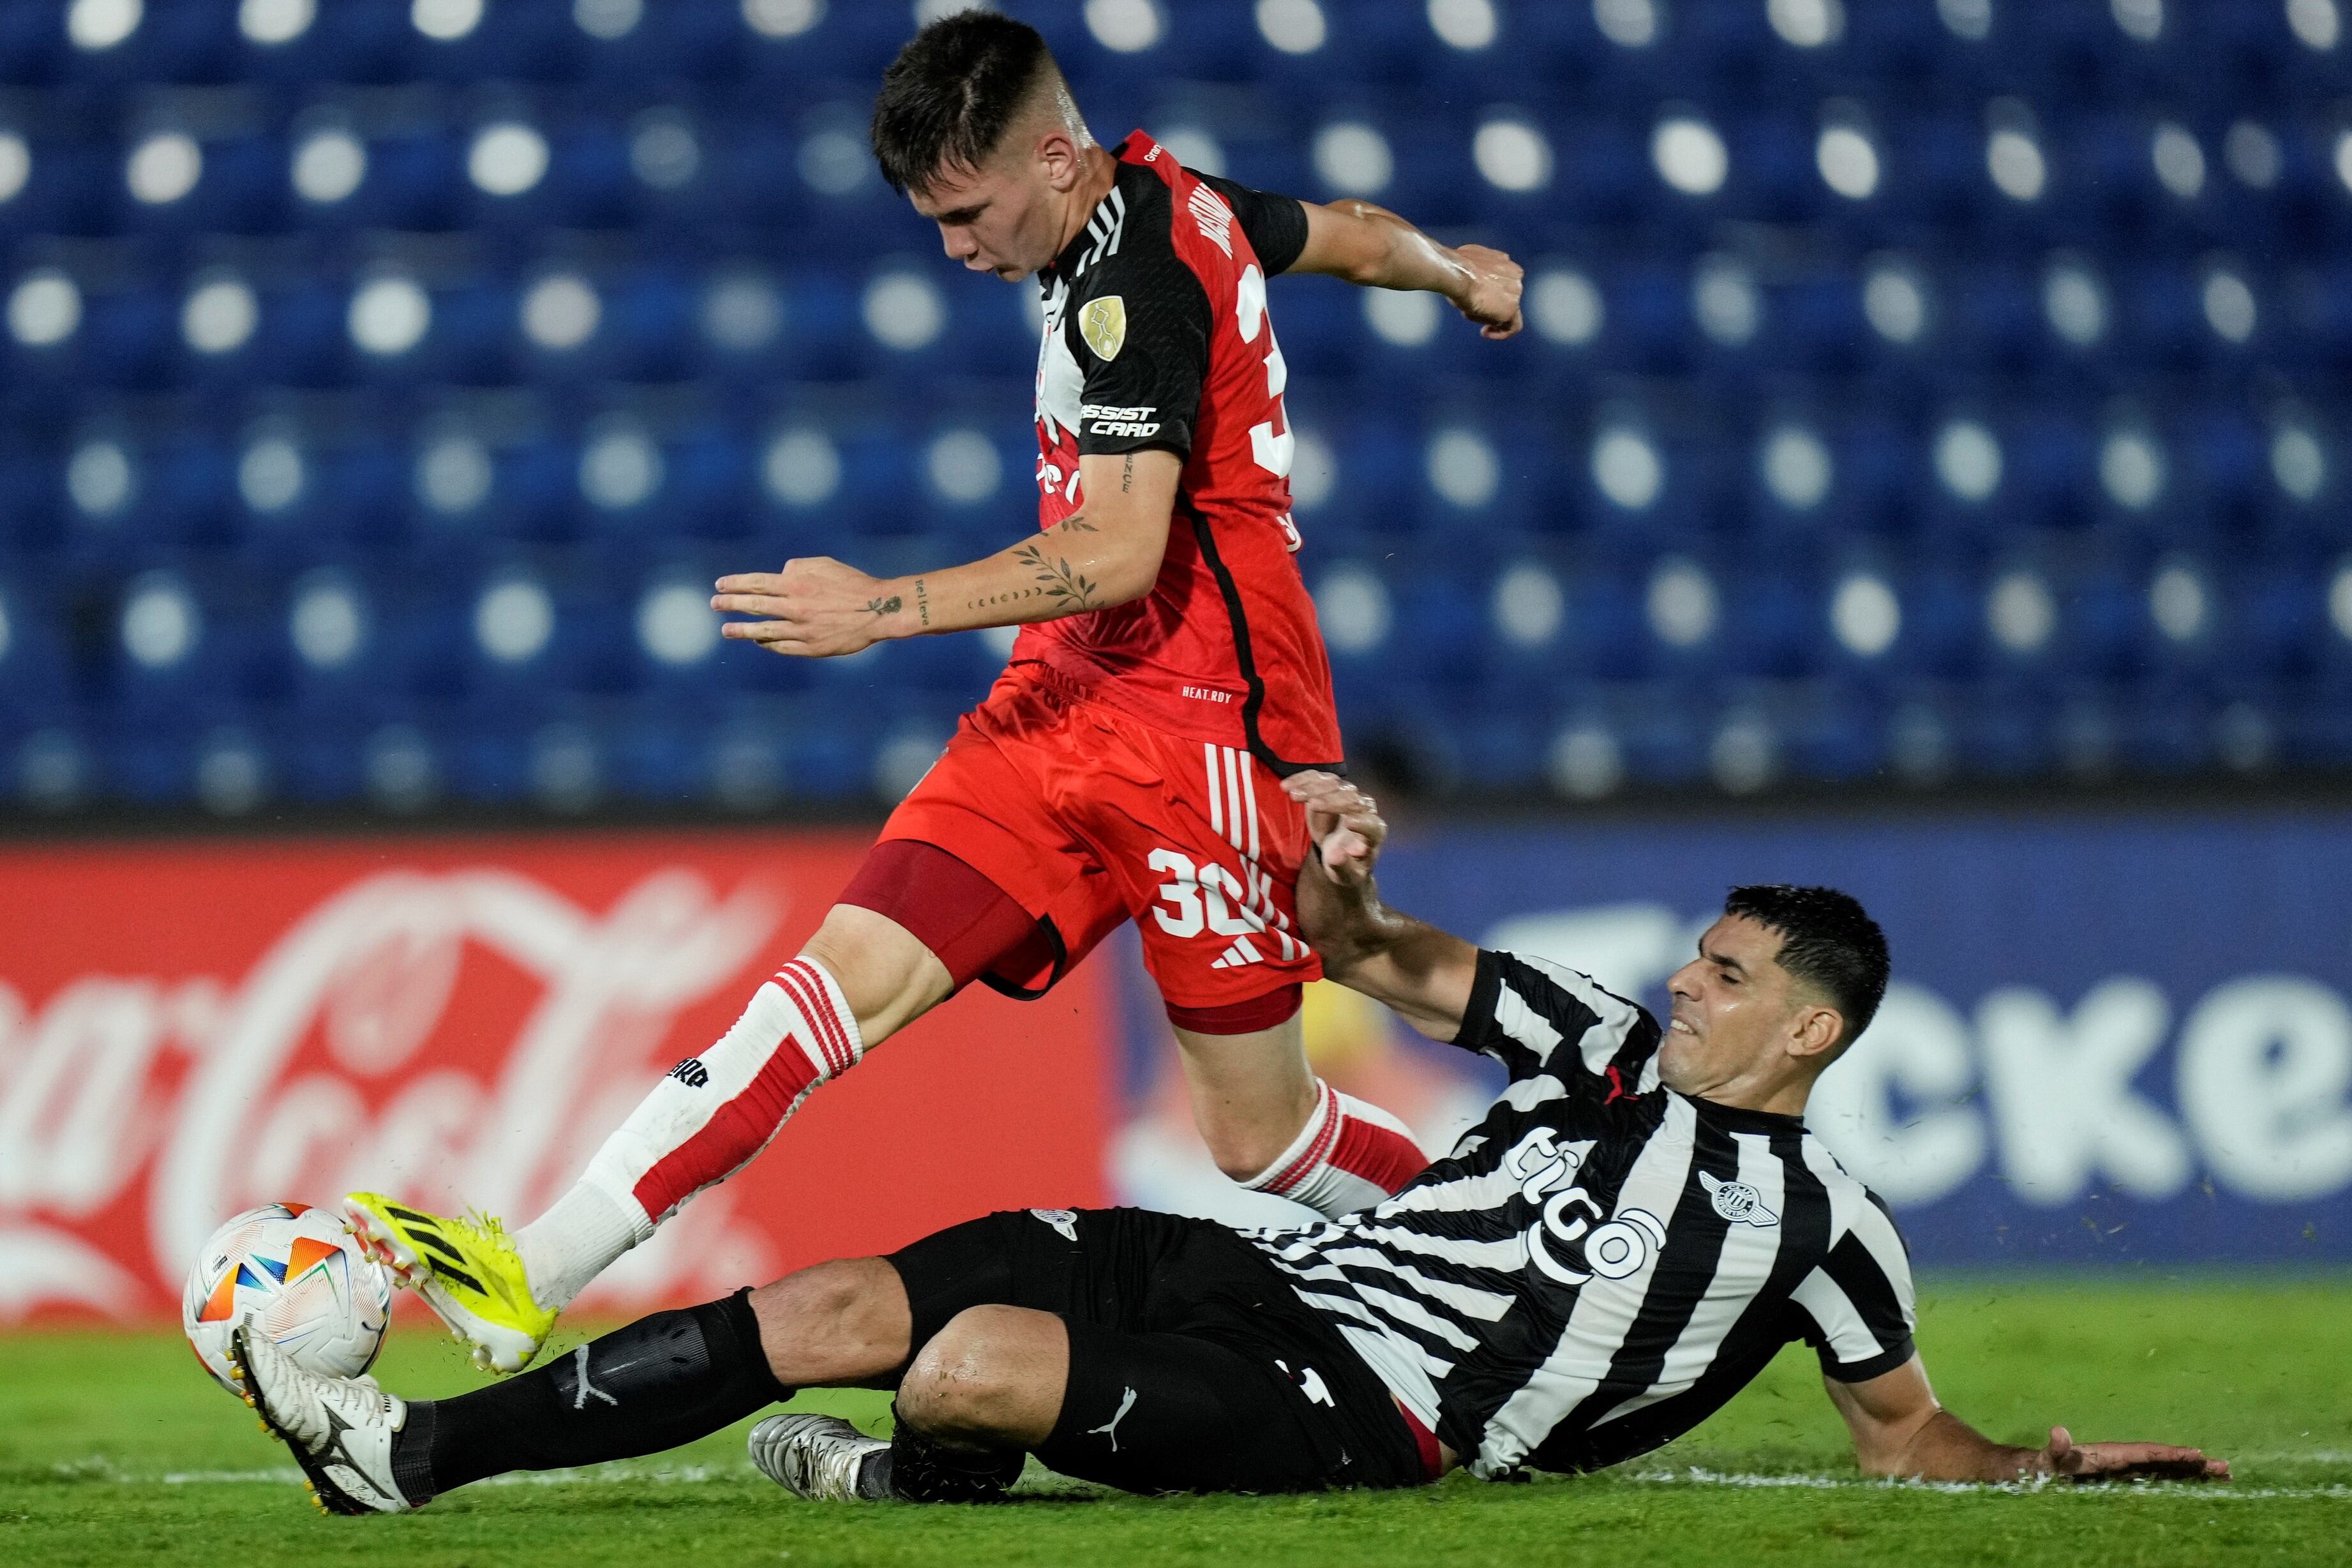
{"points": [[821, 1458], [340, 1428]]}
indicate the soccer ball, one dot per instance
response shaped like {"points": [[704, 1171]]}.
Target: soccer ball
{"points": [[297, 1274]]}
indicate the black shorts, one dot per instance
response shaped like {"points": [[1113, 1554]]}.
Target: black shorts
{"points": [[1194, 1364]]}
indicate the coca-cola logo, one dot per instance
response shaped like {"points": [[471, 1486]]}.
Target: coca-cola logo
{"points": [[457, 1036]]}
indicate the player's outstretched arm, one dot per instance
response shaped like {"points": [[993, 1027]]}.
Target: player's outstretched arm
{"points": [[1108, 552], [1900, 1430], [1424, 974], [1373, 246]]}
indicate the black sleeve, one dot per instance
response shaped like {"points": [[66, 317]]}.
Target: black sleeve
{"points": [[1537, 1017], [1137, 324], [1276, 226]]}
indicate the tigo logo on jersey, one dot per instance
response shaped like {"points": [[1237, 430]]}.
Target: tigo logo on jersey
{"points": [[1103, 324]]}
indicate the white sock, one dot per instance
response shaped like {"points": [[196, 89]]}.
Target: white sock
{"points": [[576, 1240], [700, 1126], [1348, 1156]]}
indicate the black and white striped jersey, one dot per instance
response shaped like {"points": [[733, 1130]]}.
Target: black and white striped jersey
{"points": [[1601, 1262]]}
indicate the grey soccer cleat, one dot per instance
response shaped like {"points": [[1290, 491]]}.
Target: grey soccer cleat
{"points": [[340, 1428], [821, 1458]]}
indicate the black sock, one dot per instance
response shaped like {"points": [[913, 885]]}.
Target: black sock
{"points": [[917, 1469], [660, 1381]]}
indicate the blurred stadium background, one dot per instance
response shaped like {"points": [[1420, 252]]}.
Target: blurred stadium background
{"points": [[1925, 470], [1923, 391]]}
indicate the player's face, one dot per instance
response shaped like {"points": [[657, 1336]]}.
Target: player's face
{"points": [[1732, 1009], [998, 219]]}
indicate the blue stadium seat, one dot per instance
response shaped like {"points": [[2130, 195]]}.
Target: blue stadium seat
{"points": [[690, 40], [1458, 690], [130, 338], [357, 41], [474, 339], [415, 181]]}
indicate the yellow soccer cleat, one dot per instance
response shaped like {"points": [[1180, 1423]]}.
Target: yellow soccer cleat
{"points": [[468, 1271]]}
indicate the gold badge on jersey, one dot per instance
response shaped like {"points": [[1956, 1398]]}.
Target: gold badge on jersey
{"points": [[1103, 324]]}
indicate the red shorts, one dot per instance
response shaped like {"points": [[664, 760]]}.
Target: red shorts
{"points": [[1087, 817]]}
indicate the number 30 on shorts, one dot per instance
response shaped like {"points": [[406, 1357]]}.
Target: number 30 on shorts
{"points": [[1196, 898]]}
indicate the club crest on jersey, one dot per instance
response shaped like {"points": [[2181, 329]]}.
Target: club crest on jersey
{"points": [[1738, 1202], [1103, 324]]}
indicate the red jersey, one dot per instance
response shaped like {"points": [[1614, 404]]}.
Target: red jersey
{"points": [[1156, 334]]}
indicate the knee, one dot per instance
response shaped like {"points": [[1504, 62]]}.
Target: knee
{"points": [[979, 1378], [1243, 1154], [833, 1321], [888, 977]]}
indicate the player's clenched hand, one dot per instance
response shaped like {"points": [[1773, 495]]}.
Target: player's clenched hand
{"points": [[816, 608], [1343, 823], [1490, 296], [2074, 1461]]}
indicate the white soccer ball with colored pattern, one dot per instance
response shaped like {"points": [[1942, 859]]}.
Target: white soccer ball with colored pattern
{"points": [[296, 1274]]}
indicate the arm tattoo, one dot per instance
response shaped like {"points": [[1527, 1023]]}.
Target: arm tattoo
{"points": [[881, 607], [1127, 474], [922, 603], [1076, 523], [1057, 582]]}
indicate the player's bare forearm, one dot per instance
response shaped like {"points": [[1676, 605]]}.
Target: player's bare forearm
{"points": [[1423, 974], [1375, 248], [1946, 1448], [1900, 1430], [1108, 552]]}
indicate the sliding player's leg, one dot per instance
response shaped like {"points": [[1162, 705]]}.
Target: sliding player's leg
{"points": [[1145, 1351], [1003, 1336], [659, 1383], [916, 925]]}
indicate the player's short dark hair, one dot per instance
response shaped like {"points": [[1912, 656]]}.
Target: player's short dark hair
{"points": [[1827, 941], [954, 91]]}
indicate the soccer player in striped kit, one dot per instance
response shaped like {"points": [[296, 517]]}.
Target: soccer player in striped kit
{"points": [[1638, 1226], [1168, 674]]}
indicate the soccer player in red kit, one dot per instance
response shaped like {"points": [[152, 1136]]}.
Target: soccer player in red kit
{"points": [[1168, 674]]}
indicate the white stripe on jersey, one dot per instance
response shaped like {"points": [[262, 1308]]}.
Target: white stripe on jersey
{"points": [[1108, 225], [1604, 1313], [1489, 1189], [1233, 816], [1249, 793], [1509, 1254], [1523, 1024], [1405, 1310], [1845, 1194], [1529, 1092], [1749, 1253], [1233, 800], [1878, 1234], [1467, 1300], [1406, 1370], [1216, 795], [1849, 1336], [1615, 1017]]}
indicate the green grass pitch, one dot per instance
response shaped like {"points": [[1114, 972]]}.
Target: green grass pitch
{"points": [[114, 1448]]}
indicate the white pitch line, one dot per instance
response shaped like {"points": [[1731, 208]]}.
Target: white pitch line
{"points": [[1689, 1476], [287, 1475], [1698, 1475]]}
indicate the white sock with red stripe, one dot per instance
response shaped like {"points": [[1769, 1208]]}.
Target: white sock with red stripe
{"points": [[1349, 1155], [701, 1124]]}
